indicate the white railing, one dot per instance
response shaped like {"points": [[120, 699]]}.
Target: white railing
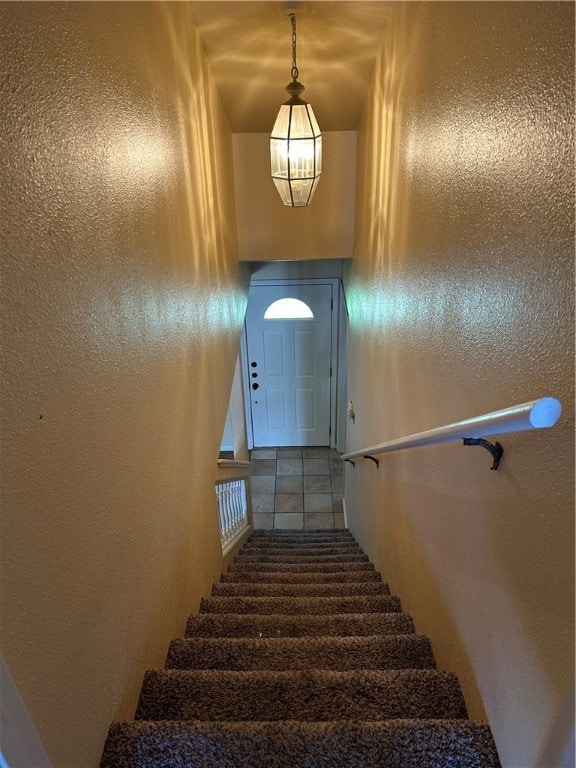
{"points": [[233, 510], [537, 414]]}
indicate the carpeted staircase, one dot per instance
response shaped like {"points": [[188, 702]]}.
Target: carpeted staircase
{"points": [[300, 658]]}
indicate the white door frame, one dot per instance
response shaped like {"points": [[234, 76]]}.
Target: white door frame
{"points": [[336, 299]]}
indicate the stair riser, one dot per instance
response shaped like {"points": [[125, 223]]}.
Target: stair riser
{"points": [[300, 590], [300, 535], [301, 605], [304, 555], [396, 744], [300, 657], [257, 544], [355, 558], [254, 544], [300, 567], [336, 653], [335, 541], [338, 625], [310, 695], [279, 577]]}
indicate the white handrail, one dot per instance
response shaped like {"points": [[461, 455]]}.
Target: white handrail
{"points": [[537, 414]]}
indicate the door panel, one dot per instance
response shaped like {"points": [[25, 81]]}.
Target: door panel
{"points": [[275, 412], [289, 364], [273, 353], [305, 409]]}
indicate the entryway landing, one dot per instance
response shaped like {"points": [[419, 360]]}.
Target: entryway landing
{"points": [[298, 488]]}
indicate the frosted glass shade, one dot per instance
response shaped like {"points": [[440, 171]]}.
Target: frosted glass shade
{"points": [[296, 153]]}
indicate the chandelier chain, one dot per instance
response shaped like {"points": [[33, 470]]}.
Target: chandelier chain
{"points": [[294, 71]]}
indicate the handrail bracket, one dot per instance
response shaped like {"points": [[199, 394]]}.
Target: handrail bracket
{"points": [[495, 449], [350, 462], [372, 458]]}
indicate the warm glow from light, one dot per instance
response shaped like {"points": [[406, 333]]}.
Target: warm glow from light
{"points": [[296, 153]]}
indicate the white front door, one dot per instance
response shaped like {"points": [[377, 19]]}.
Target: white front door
{"points": [[289, 356]]}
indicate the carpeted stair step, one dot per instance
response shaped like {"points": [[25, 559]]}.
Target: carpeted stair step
{"points": [[277, 625], [290, 744], [303, 552], [247, 589], [300, 657], [298, 653], [299, 567], [299, 577], [257, 544], [301, 605], [353, 558], [308, 695], [337, 534]]}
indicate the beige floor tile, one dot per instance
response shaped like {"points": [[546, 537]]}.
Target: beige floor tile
{"points": [[262, 503], [320, 520], [265, 522], [339, 520], [337, 505], [318, 502], [288, 502], [263, 453], [289, 453], [337, 483], [263, 467], [317, 453], [263, 483], [287, 520], [289, 484], [316, 467], [289, 467], [317, 484]]}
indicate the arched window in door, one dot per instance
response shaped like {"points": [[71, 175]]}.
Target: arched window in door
{"points": [[288, 309]]}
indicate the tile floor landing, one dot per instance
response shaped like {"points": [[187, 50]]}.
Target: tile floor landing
{"points": [[297, 488]]}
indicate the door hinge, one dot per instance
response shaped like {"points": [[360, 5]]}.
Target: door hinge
{"points": [[330, 371], [331, 304]]}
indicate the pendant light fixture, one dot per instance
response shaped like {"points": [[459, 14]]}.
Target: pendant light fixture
{"points": [[296, 143]]}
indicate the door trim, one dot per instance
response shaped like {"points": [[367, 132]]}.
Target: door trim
{"points": [[336, 308]]}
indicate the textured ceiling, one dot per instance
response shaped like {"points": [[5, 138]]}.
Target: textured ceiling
{"points": [[248, 45]]}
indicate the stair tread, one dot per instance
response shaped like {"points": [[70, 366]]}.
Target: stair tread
{"points": [[298, 533], [285, 625], [256, 544], [409, 651], [301, 605], [397, 743], [258, 589], [300, 577], [301, 551], [300, 657], [304, 559], [304, 695], [329, 567]]}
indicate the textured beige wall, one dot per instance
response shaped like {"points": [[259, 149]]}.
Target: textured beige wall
{"points": [[269, 230], [461, 302], [122, 304]]}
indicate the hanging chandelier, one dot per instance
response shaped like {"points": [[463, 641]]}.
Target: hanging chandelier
{"points": [[296, 143]]}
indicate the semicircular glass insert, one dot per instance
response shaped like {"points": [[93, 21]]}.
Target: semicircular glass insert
{"points": [[288, 309]]}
